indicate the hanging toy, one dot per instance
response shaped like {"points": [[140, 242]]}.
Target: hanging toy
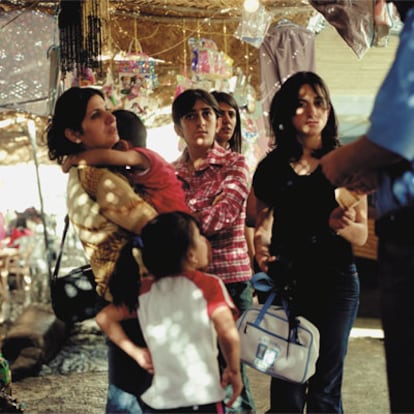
{"points": [[87, 77], [254, 25], [109, 90]]}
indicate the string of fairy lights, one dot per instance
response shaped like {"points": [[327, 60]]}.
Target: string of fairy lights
{"points": [[219, 25], [186, 26], [225, 14], [176, 53]]}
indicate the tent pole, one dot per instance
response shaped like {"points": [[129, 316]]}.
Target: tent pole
{"points": [[32, 135]]}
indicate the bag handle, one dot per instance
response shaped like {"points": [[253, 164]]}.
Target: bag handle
{"points": [[62, 242], [265, 307], [262, 282]]}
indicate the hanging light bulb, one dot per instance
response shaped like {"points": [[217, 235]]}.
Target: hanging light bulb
{"points": [[251, 5]]}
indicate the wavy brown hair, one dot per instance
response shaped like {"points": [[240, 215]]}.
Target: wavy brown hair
{"points": [[283, 108]]}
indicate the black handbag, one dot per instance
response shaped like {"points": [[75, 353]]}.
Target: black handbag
{"points": [[74, 296]]}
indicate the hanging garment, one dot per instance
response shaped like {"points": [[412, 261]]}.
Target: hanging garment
{"points": [[286, 49]]}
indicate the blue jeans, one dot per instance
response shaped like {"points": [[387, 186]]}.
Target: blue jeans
{"points": [[120, 401], [396, 281], [331, 305]]}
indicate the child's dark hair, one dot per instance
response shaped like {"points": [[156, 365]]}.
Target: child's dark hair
{"points": [[131, 128], [166, 240], [124, 283]]}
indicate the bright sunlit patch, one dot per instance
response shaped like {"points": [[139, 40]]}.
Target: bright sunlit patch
{"points": [[164, 141], [110, 197], [108, 183], [367, 333]]}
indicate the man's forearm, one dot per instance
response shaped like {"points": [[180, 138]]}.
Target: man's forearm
{"points": [[366, 155], [361, 157]]}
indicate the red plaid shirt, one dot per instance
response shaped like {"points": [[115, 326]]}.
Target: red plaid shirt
{"points": [[223, 173]]}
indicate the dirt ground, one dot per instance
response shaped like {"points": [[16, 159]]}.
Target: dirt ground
{"points": [[75, 381], [364, 389]]}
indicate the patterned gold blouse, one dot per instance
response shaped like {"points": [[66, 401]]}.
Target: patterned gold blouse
{"points": [[105, 210]]}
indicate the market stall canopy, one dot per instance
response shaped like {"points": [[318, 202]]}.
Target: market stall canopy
{"points": [[29, 39], [217, 9], [161, 25], [160, 29]]}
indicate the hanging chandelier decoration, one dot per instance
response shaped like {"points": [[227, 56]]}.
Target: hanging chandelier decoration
{"points": [[83, 30]]}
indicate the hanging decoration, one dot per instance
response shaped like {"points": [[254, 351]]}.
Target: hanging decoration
{"points": [[210, 68], [136, 73], [137, 79], [254, 24], [110, 91], [383, 21], [83, 31], [85, 77], [353, 20], [250, 137]]}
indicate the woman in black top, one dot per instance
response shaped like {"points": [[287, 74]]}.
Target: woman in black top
{"points": [[303, 237]]}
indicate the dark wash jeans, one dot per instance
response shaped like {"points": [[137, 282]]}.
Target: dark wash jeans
{"points": [[396, 281], [242, 295], [127, 380], [332, 306]]}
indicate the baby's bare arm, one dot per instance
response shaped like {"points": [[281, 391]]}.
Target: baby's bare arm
{"points": [[110, 157]]}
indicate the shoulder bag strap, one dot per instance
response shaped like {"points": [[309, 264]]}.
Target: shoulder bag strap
{"points": [[62, 242], [265, 307]]}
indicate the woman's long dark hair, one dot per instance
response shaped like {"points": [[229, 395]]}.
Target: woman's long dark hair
{"points": [[283, 108], [70, 110], [235, 141], [124, 282]]}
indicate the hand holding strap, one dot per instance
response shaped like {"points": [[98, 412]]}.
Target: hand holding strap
{"points": [[262, 282]]}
